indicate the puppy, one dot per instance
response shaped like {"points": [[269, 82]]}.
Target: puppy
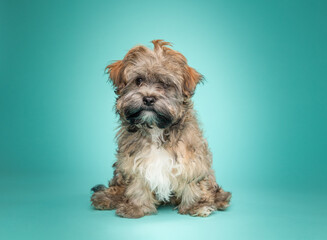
{"points": [[162, 156]]}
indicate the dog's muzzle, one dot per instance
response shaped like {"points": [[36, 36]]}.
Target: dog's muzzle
{"points": [[139, 116]]}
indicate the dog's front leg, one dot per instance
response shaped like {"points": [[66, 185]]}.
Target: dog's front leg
{"points": [[190, 196], [203, 197], [140, 201]]}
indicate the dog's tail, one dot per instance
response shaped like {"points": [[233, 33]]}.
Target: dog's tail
{"points": [[98, 188]]}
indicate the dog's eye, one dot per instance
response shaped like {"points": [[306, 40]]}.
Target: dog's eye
{"points": [[164, 85], [138, 81]]}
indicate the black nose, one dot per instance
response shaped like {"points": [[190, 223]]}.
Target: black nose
{"points": [[149, 101]]}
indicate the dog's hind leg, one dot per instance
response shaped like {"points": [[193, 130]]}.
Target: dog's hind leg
{"points": [[107, 198], [222, 199], [104, 198], [140, 201]]}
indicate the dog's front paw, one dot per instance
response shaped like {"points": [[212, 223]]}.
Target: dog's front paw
{"points": [[200, 211], [204, 211], [101, 201], [128, 210]]}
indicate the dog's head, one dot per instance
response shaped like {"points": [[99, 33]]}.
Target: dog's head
{"points": [[153, 86]]}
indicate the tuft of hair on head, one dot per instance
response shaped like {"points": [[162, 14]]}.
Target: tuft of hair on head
{"points": [[159, 44]]}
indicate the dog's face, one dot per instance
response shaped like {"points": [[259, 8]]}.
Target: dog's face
{"points": [[153, 86]]}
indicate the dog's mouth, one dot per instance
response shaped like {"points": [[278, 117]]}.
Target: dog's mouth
{"points": [[148, 116], [132, 115]]}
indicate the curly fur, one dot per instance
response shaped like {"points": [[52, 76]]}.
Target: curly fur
{"points": [[162, 156]]}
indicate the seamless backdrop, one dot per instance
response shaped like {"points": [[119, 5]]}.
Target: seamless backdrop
{"points": [[263, 108]]}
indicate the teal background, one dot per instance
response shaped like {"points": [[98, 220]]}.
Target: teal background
{"points": [[263, 108]]}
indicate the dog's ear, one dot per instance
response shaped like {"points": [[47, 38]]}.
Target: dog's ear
{"points": [[191, 79], [116, 74]]}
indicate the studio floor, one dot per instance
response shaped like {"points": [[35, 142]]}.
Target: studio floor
{"points": [[48, 207]]}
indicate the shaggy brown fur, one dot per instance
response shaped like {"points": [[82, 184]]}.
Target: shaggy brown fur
{"points": [[162, 155]]}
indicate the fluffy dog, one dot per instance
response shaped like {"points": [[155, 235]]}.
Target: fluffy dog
{"points": [[162, 156]]}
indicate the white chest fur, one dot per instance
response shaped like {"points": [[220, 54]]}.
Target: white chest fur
{"points": [[158, 167]]}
